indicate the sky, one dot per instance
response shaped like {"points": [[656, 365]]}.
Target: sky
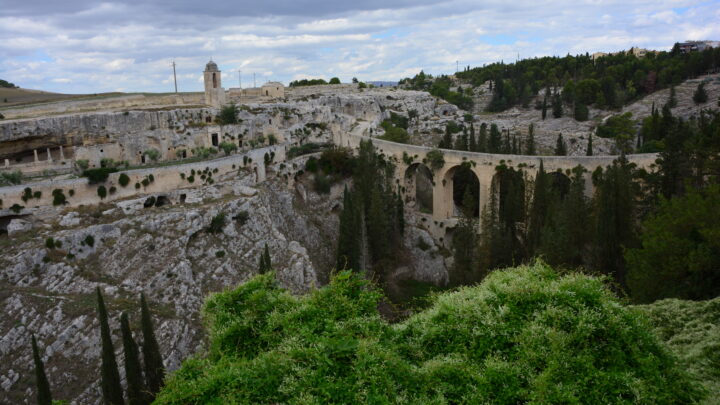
{"points": [[83, 46]]}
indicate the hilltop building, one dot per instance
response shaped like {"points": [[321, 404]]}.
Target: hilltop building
{"points": [[697, 46], [216, 95], [637, 52]]}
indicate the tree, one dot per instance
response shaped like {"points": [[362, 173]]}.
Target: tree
{"points": [[334, 80], [265, 264], [44, 397], [538, 210], [560, 146], [557, 107], [228, 115], [581, 112], [495, 140], [472, 143], [700, 96], [482, 145], [348, 252], [464, 243], [680, 252], [589, 150], [137, 392], [672, 100], [621, 128], [615, 210], [544, 107], [228, 147], [530, 143], [447, 141], [111, 388], [154, 368]]}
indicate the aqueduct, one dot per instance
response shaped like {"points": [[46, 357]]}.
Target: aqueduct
{"points": [[409, 162]]}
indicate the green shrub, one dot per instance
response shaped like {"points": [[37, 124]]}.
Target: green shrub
{"points": [[525, 335], [89, 240], [112, 190], [59, 197], [50, 243], [311, 165], [152, 154], [228, 147], [16, 208], [272, 139], [220, 254], [12, 177], [83, 164], [322, 183], [98, 175], [435, 159], [217, 223], [102, 192], [227, 115], [124, 179], [242, 217], [27, 194]]}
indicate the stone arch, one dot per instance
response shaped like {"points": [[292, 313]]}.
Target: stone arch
{"points": [[508, 185], [559, 183], [418, 187], [456, 181]]}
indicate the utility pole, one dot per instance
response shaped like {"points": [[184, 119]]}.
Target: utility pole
{"points": [[240, 78], [174, 76], [254, 83], [457, 66]]}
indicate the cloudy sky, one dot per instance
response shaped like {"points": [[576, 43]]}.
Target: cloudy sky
{"points": [[84, 46]]}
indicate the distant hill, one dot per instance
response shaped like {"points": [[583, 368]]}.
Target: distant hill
{"points": [[14, 96]]}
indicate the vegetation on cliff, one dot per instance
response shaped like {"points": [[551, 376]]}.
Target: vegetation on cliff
{"points": [[526, 334]]}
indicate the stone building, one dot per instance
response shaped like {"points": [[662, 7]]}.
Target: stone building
{"points": [[214, 93]]}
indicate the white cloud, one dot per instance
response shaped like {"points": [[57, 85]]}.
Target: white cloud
{"points": [[112, 45]]}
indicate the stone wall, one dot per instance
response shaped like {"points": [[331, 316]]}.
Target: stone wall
{"points": [[166, 179], [104, 103]]}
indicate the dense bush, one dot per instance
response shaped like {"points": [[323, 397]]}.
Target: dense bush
{"points": [[525, 335], [11, 177], [217, 223], [99, 174], [102, 192], [228, 115], [692, 330], [124, 179], [59, 197]]}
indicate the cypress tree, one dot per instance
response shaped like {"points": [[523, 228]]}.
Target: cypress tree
{"points": [[539, 209], [495, 140], [482, 139], [672, 101], [136, 391], [447, 141], [266, 255], [544, 107], [560, 146], [557, 108], [472, 143], [589, 150], [464, 243], [43, 386], [348, 253], [700, 96], [530, 144], [111, 388], [154, 369], [400, 213]]}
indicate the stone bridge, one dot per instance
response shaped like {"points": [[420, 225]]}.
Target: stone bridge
{"points": [[482, 165]]}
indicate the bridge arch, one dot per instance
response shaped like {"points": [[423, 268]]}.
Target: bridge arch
{"points": [[456, 180], [418, 186]]}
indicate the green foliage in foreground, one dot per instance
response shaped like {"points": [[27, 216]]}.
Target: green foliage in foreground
{"points": [[692, 331], [525, 335]]}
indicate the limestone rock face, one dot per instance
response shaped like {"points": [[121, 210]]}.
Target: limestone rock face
{"points": [[167, 252], [18, 225]]}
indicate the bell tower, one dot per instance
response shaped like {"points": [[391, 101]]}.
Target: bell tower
{"points": [[214, 93]]}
